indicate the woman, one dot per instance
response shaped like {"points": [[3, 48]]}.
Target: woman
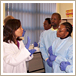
{"points": [[44, 52], [14, 52], [62, 49], [28, 39]]}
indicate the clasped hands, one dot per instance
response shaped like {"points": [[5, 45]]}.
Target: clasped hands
{"points": [[52, 58]]}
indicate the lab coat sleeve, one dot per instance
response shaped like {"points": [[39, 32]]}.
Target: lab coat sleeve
{"points": [[29, 58], [42, 47], [59, 59], [69, 69], [69, 56], [14, 59]]}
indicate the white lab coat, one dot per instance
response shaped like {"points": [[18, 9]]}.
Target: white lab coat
{"points": [[14, 58]]}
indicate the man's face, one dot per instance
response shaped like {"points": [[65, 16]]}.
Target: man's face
{"points": [[55, 20]]}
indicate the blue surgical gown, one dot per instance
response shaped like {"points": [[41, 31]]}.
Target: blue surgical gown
{"points": [[63, 49], [46, 39]]}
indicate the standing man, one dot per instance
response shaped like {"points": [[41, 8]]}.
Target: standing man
{"points": [[46, 40]]}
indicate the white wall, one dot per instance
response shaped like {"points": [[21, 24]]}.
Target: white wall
{"points": [[62, 7], [3, 11]]}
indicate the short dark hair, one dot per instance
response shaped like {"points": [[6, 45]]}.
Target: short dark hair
{"points": [[48, 19], [59, 16], [9, 30], [68, 27], [8, 18]]}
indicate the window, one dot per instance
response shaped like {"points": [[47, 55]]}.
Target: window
{"points": [[32, 16]]}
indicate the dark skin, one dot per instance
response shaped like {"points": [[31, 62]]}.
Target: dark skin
{"points": [[55, 21], [62, 32], [46, 25]]}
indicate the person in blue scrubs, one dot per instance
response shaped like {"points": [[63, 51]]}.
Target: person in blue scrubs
{"points": [[47, 38], [61, 51], [47, 26]]}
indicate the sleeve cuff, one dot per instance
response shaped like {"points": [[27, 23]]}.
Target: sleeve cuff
{"points": [[69, 69], [59, 59]]}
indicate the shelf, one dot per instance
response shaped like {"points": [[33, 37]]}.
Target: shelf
{"points": [[67, 18]]}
